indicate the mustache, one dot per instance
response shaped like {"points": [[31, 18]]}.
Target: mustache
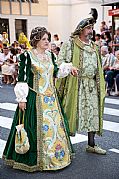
{"points": [[90, 33], [89, 36]]}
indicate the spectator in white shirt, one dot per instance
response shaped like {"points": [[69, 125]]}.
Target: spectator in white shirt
{"points": [[4, 56]]}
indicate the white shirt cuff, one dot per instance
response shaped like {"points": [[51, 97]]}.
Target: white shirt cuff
{"points": [[64, 70]]}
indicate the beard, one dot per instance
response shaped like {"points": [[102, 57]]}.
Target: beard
{"points": [[89, 36]]}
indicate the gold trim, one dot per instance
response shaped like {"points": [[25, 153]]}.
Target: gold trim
{"points": [[21, 166], [39, 121], [59, 108]]}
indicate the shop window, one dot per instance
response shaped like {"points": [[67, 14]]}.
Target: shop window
{"points": [[20, 26], [4, 26]]}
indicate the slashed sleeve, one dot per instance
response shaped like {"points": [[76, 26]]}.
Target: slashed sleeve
{"points": [[21, 89]]}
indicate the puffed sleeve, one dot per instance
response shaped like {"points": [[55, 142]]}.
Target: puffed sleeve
{"points": [[65, 54], [24, 67], [21, 91], [64, 70]]}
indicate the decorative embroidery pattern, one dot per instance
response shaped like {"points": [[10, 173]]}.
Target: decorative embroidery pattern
{"points": [[55, 145]]}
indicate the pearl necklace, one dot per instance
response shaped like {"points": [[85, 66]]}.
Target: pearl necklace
{"points": [[42, 57]]}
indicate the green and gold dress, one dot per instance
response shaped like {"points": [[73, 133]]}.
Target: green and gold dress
{"points": [[50, 147]]}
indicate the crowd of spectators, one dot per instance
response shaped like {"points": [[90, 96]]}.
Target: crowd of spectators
{"points": [[9, 55], [9, 62], [110, 57]]}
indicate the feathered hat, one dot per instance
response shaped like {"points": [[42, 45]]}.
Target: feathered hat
{"points": [[89, 21]]}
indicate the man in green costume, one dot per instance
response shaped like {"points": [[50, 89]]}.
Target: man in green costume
{"points": [[82, 94]]}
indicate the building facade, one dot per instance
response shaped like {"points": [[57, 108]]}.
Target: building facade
{"points": [[18, 16], [64, 15], [59, 16]]}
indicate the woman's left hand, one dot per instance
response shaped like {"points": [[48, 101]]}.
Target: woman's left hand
{"points": [[74, 71]]}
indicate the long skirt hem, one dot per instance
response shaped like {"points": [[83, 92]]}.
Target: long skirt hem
{"points": [[27, 168]]}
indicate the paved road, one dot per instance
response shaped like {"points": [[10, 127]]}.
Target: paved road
{"points": [[85, 165]]}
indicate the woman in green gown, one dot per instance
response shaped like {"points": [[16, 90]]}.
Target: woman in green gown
{"points": [[50, 147]]}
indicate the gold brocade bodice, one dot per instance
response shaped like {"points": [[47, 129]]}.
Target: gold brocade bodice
{"points": [[43, 74]]}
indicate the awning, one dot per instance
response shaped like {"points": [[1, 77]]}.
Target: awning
{"points": [[113, 3]]}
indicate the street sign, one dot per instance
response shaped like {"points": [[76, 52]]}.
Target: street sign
{"points": [[113, 12]]}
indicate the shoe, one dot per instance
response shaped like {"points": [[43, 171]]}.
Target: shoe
{"points": [[96, 149], [13, 83], [8, 83], [108, 92], [117, 94]]}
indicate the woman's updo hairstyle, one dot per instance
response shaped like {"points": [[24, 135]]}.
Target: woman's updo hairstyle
{"points": [[36, 34]]}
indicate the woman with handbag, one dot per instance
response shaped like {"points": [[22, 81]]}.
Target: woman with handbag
{"points": [[39, 137]]}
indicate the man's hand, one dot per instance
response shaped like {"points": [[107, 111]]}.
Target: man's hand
{"points": [[74, 71]]}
